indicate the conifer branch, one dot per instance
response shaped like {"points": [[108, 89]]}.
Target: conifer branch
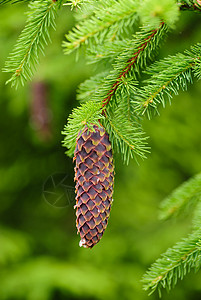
{"points": [[153, 12], [132, 61], [107, 22], [190, 5], [126, 137], [24, 57], [88, 88], [133, 56], [181, 197], [87, 113], [109, 51], [164, 82], [174, 264], [122, 127], [87, 7], [195, 54]]}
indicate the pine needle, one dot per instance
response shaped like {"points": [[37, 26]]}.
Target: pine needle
{"points": [[174, 264], [22, 61], [107, 22], [167, 77]]}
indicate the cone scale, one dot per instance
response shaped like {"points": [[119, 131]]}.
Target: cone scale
{"points": [[94, 177]]}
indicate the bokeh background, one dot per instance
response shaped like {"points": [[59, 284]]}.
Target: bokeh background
{"points": [[39, 254]]}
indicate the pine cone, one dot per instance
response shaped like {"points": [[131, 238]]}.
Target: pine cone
{"points": [[94, 176]]}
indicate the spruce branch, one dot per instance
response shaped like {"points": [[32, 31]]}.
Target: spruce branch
{"points": [[129, 58], [195, 53], [125, 133], [86, 7], [153, 12], [193, 5], [145, 42], [133, 56], [24, 58], [88, 113], [167, 77], [117, 51], [126, 137], [107, 22], [108, 52], [120, 84], [88, 88], [75, 3], [174, 264], [181, 197]]}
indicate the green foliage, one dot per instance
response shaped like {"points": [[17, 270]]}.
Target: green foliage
{"points": [[90, 86], [87, 113], [132, 55], [193, 5], [164, 81], [188, 192], [107, 23], [126, 136], [177, 261], [174, 264], [152, 12], [122, 103], [116, 89], [125, 58], [118, 98], [195, 55], [24, 58]]}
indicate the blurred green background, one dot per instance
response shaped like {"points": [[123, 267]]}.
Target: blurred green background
{"points": [[39, 254]]}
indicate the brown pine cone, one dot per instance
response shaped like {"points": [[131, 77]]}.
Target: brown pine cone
{"points": [[94, 177]]}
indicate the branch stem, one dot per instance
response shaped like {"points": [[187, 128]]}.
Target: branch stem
{"points": [[130, 63]]}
